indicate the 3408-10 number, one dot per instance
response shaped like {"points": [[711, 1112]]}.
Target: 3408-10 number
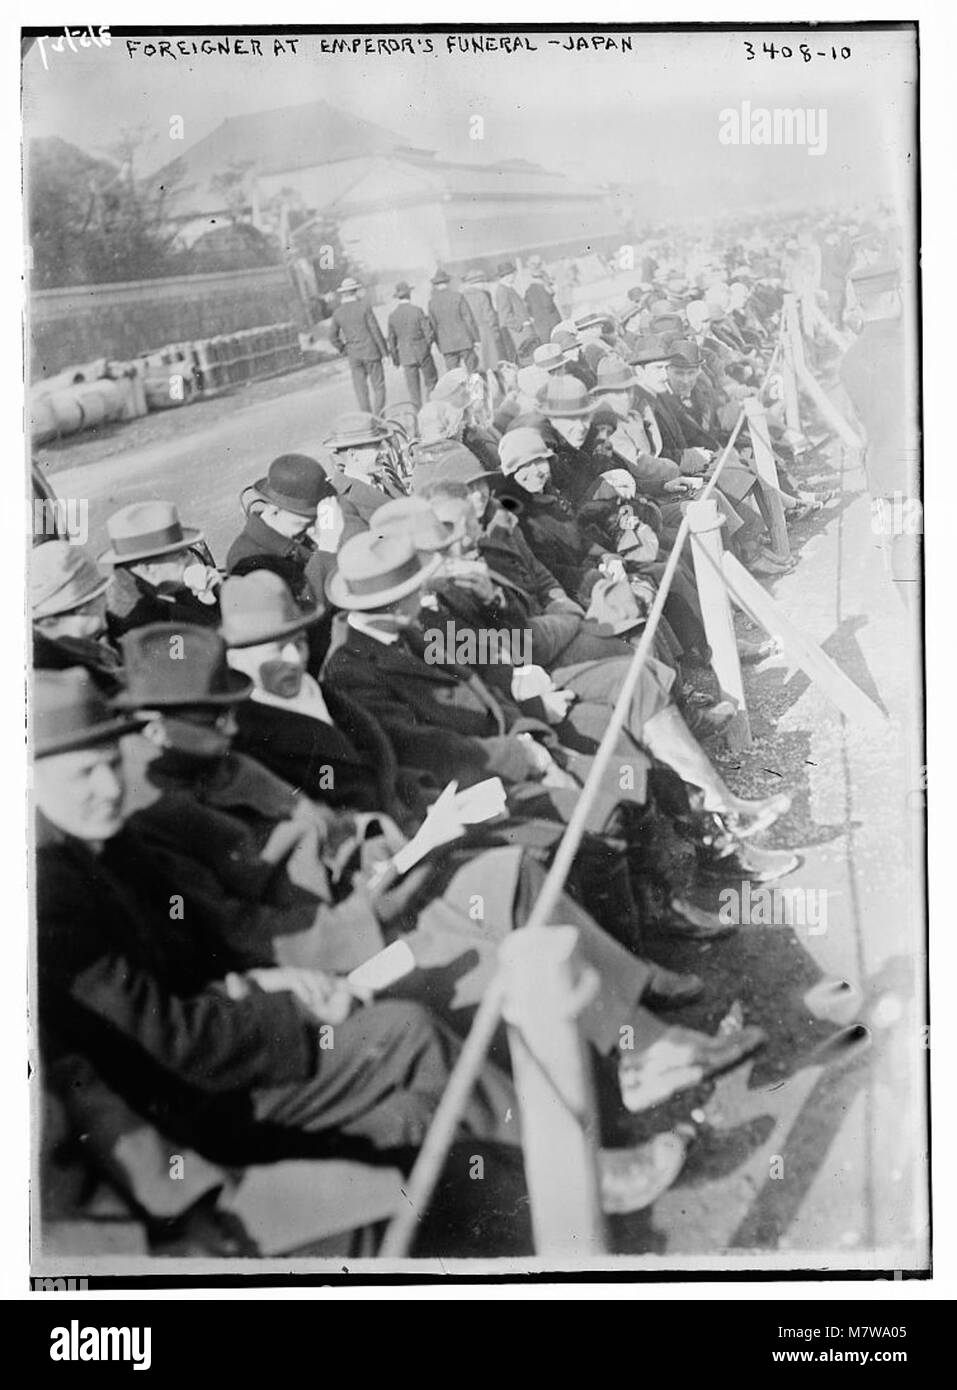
{"points": [[804, 51]]}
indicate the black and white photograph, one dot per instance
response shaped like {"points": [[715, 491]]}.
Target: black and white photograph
{"points": [[477, 788]]}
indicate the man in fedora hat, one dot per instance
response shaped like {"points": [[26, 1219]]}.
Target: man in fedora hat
{"points": [[364, 470], [68, 605], [567, 339], [410, 336], [483, 312], [540, 300], [287, 513], [355, 333], [161, 570], [234, 1059], [456, 331], [519, 338], [615, 387]]}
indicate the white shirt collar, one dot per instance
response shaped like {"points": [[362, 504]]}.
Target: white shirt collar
{"points": [[387, 636]]}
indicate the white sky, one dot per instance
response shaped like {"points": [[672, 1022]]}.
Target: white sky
{"points": [[649, 115]]}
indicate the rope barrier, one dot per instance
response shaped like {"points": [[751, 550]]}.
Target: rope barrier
{"points": [[431, 1158]]}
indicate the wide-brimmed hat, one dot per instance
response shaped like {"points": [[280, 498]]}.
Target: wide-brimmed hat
{"points": [[63, 577], [412, 517], [686, 353], [651, 348], [173, 664], [613, 374], [473, 275], [452, 388], [70, 712], [520, 447], [569, 342], [296, 483], [259, 608], [441, 277], [403, 289], [438, 421], [375, 571], [595, 320], [145, 531], [549, 357], [349, 285], [505, 268], [565, 397], [660, 325], [354, 430], [445, 461]]}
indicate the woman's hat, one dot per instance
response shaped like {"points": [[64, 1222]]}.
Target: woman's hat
{"points": [[296, 483], [564, 396], [171, 664], [520, 447], [613, 374], [70, 712], [145, 531], [412, 517], [375, 571], [259, 607], [62, 578]]}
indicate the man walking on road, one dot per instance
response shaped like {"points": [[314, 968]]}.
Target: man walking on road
{"points": [[456, 331], [356, 334], [410, 336]]}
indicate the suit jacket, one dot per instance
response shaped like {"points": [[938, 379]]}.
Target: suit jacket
{"points": [[365, 771], [490, 338], [440, 718], [410, 335], [107, 971], [355, 332], [542, 309], [359, 501], [455, 328]]}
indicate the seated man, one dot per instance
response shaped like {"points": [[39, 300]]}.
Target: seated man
{"points": [[237, 1068], [68, 603], [283, 520], [162, 571], [364, 471]]}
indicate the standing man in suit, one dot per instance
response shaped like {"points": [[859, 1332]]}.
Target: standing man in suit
{"points": [[410, 338], [456, 331], [518, 334], [483, 312], [541, 301], [356, 334]]}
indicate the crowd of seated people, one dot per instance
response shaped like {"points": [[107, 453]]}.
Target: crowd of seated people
{"points": [[230, 762]]}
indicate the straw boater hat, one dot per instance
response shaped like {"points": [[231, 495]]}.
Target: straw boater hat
{"points": [[258, 607], [550, 357], [63, 578], [412, 517], [349, 285], [145, 531], [70, 712], [199, 677], [375, 571], [295, 483]]}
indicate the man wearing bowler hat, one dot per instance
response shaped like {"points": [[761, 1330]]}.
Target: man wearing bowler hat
{"points": [[355, 333], [68, 605], [287, 513], [456, 331], [162, 570], [410, 337]]}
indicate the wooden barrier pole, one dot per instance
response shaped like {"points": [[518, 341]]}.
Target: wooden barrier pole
{"points": [[762, 608], [546, 984], [792, 411], [809, 383], [707, 551], [768, 473]]}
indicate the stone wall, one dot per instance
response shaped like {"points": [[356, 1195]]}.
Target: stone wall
{"points": [[84, 322]]}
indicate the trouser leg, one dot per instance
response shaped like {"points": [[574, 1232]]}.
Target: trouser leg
{"points": [[412, 384], [360, 385], [429, 374], [377, 377]]}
